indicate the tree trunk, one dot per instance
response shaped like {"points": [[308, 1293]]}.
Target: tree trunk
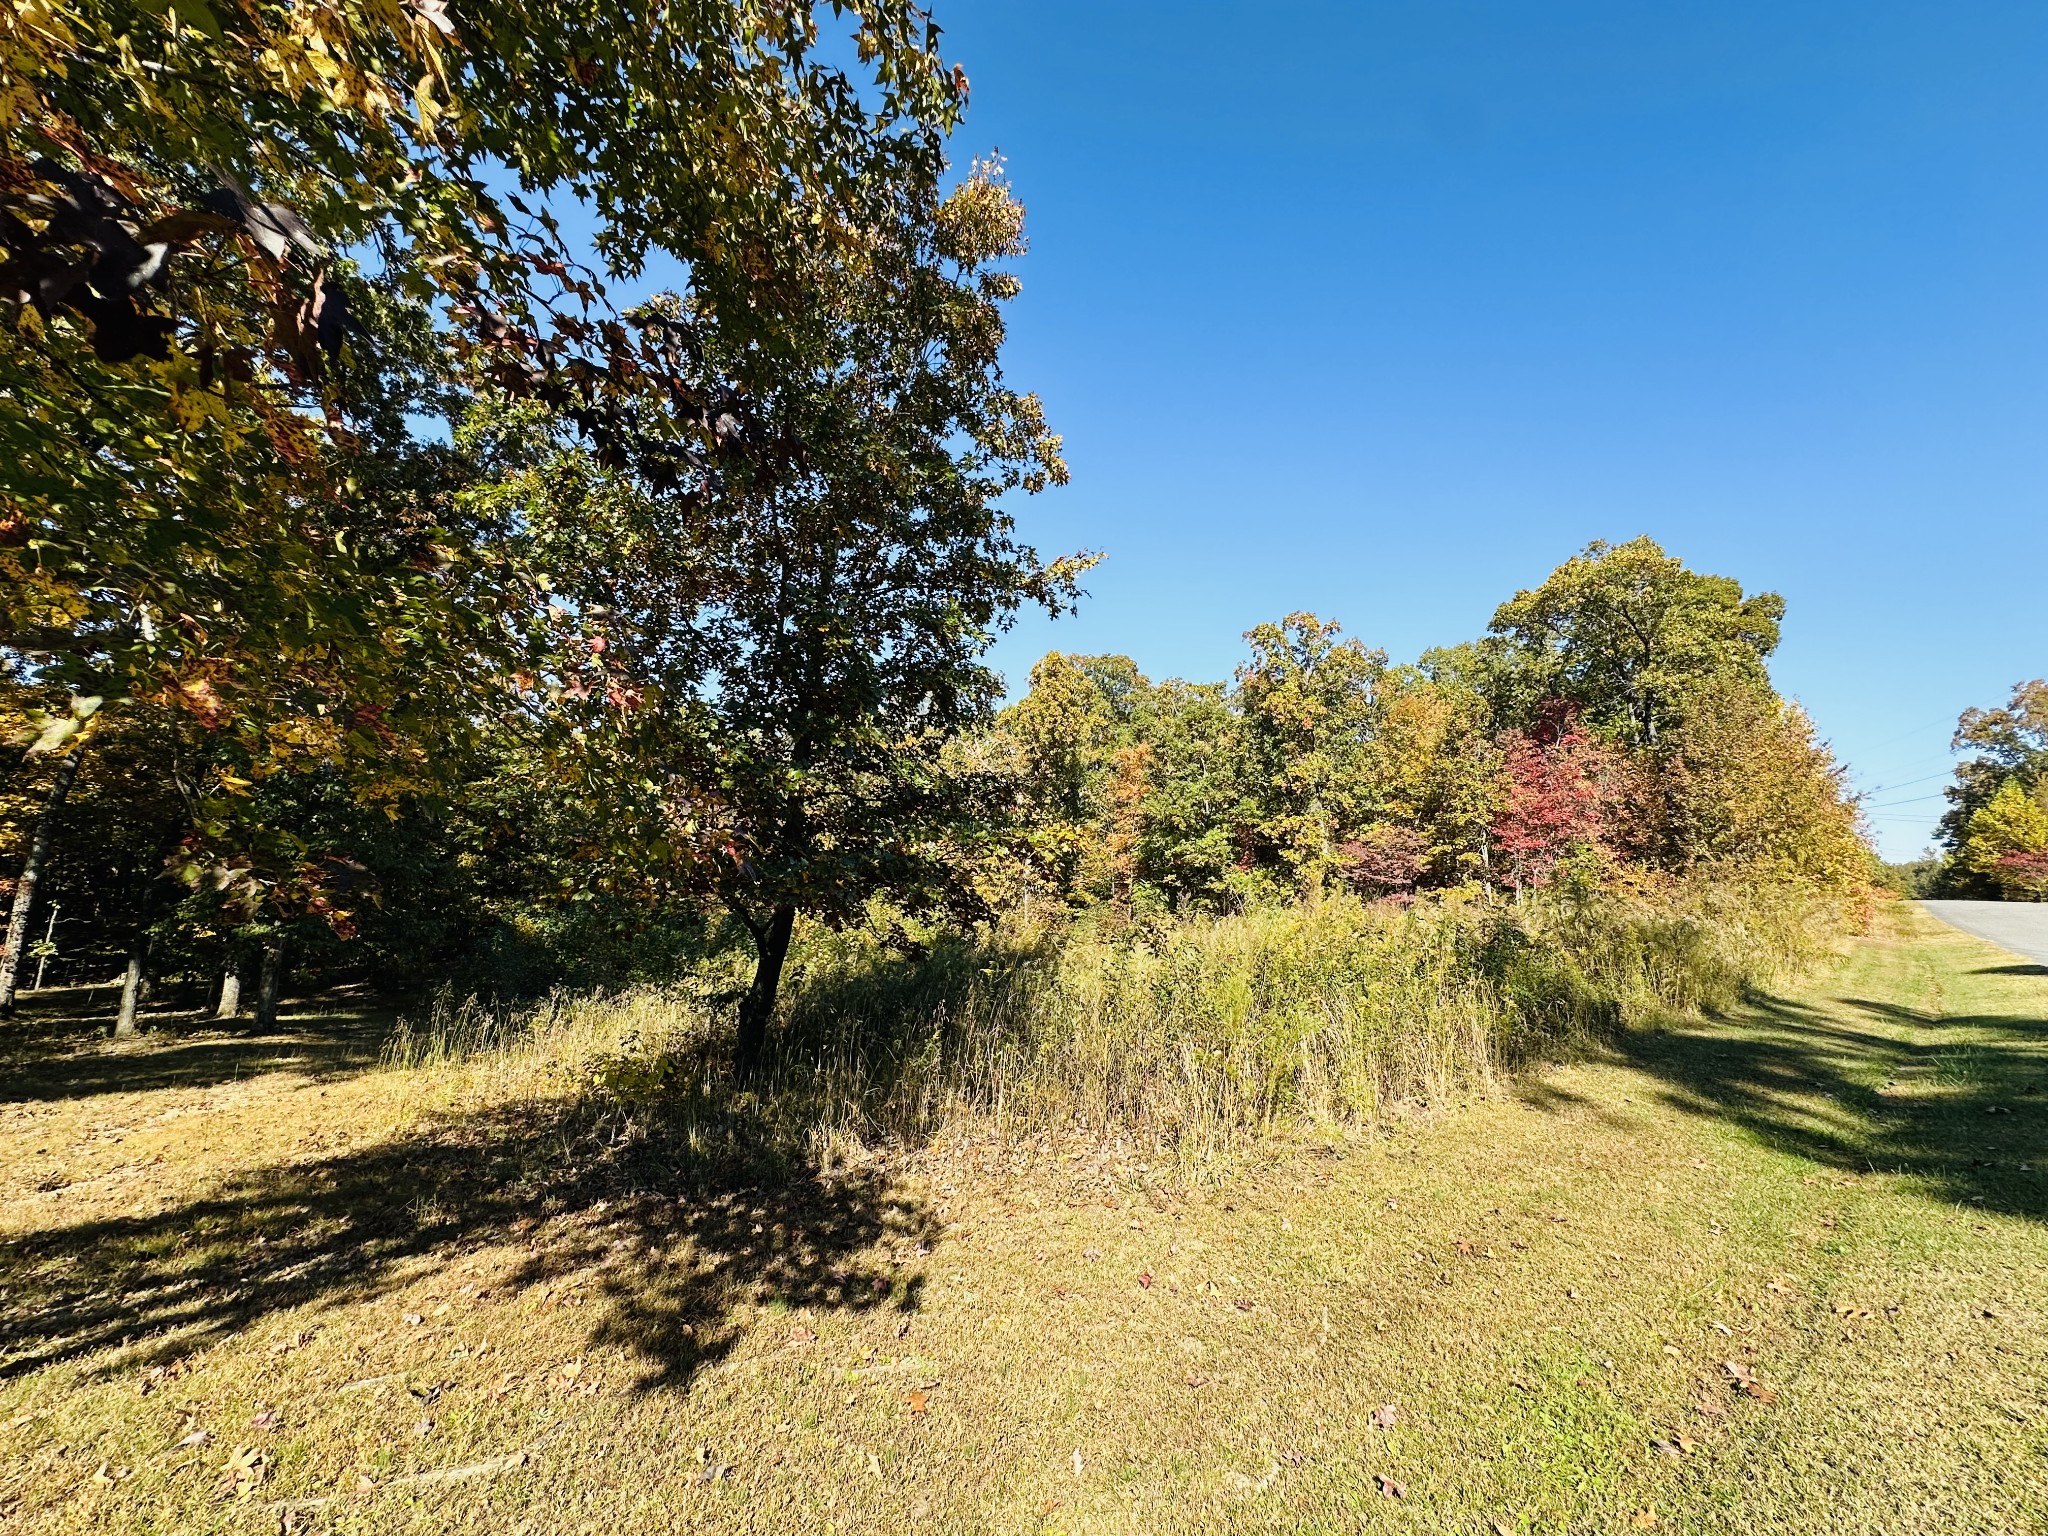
{"points": [[31, 872], [230, 989], [757, 1008], [134, 987], [270, 981], [49, 943]]}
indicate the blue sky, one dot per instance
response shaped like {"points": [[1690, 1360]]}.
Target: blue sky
{"points": [[1383, 310]]}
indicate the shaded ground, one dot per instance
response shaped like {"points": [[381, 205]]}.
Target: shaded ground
{"points": [[2020, 926], [58, 1046], [1787, 1271]]}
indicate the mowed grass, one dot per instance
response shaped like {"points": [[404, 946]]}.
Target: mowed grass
{"points": [[1787, 1269]]}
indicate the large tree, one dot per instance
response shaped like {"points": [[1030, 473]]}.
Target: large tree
{"points": [[1311, 705], [776, 652], [1628, 634]]}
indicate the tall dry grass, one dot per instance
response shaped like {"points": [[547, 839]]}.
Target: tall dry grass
{"points": [[1194, 1036]]}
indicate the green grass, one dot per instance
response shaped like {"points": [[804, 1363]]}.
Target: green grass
{"points": [[1837, 1187]]}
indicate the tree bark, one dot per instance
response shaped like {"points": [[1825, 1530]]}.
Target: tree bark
{"points": [[31, 872], [270, 982], [133, 987], [757, 1008], [230, 989]]}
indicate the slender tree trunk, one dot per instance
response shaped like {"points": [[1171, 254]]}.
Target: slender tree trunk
{"points": [[49, 943], [270, 982], [230, 989], [757, 1008], [134, 986], [31, 872]]}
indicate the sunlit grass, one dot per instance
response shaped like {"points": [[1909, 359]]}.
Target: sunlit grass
{"points": [[1194, 1037]]}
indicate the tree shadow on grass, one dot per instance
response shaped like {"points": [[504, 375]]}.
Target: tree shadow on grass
{"points": [[62, 1052], [675, 1245], [1960, 1103]]}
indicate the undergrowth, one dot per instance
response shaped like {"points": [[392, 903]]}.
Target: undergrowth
{"points": [[1194, 1035]]}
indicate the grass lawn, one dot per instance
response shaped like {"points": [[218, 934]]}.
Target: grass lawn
{"points": [[1785, 1272]]}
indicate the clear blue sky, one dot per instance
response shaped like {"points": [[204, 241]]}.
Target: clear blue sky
{"points": [[1382, 310]]}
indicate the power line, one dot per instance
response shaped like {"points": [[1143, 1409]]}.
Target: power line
{"points": [[1918, 730], [1883, 789]]}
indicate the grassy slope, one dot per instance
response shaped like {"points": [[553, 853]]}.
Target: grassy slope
{"points": [[1842, 1192]]}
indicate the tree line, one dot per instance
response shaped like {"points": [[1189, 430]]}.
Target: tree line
{"points": [[1616, 722]]}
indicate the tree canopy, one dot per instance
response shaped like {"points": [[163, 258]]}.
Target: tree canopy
{"points": [[1627, 633], [250, 247], [1323, 767]]}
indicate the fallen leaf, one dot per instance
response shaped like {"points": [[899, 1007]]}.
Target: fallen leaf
{"points": [[1385, 1414], [241, 1472], [413, 1319], [802, 1335], [1645, 1520], [1145, 1279], [197, 1437], [264, 1419], [1243, 1303], [917, 1401], [1389, 1489]]}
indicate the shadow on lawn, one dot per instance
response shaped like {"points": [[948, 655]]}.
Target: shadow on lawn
{"points": [[58, 1048], [674, 1253], [1959, 1103]]}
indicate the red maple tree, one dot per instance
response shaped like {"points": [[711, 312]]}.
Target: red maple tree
{"points": [[1555, 796]]}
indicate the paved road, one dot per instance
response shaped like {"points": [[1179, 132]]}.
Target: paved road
{"points": [[2020, 926]]}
